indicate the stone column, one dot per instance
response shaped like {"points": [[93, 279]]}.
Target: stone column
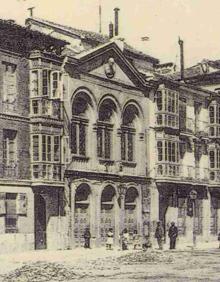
{"points": [[206, 208], [154, 209], [72, 215], [139, 213], [95, 214]]}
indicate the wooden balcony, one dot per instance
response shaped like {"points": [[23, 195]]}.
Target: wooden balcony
{"points": [[47, 172], [181, 172]]}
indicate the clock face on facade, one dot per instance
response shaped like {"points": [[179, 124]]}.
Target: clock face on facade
{"points": [[110, 68]]}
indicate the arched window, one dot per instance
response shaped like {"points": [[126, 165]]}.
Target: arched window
{"points": [[104, 131], [79, 123], [128, 133]]}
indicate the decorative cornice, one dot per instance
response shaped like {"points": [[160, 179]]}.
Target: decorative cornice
{"points": [[15, 117]]}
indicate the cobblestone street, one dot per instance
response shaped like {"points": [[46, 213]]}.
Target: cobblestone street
{"points": [[100, 265]]}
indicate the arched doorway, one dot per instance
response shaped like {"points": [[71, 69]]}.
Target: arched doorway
{"points": [[107, 212], [40, 222], [131, 210], [82, 213]]}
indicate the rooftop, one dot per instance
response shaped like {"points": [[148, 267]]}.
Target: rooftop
{"points": [[94, 37], [19, 39]]}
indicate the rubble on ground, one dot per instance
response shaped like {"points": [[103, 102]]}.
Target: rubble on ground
{"points": [[101, 267], [146, 257]]}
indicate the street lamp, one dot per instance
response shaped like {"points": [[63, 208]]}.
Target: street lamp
{"points": [[193, 197], [121, 186]]}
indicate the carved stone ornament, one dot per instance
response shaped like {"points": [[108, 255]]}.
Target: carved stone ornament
{"points": [[110, 68]]}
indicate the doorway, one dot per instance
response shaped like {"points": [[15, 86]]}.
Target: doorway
{"points": [[40, 222]]}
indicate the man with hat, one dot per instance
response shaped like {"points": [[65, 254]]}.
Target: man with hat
{"points": [[173, 234]]}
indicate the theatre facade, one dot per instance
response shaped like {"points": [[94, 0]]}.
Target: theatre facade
{"points": [[98, 139]]}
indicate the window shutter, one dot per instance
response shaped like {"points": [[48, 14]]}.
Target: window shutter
{"points": [[2, 204], [22, 204]]}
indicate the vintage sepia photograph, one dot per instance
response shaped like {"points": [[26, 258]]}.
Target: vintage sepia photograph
{"points": [[109, 140]]}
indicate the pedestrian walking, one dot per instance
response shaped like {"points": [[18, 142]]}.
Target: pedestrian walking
{"points": [[159, 235], [110, 239], [125, 238], [87, 236], [173, 234]]}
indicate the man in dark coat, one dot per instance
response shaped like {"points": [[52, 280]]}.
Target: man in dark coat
{"points": [[159, 234], [87, 237], [173, 234]]}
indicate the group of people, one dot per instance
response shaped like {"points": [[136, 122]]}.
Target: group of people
{"points": [[172, 233], [135, 239]]}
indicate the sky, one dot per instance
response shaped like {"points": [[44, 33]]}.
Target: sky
{"points": [[163, 21]]}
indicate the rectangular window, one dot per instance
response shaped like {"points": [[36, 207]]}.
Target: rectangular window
{"points": [[44, 148], [11, 215], [49, 148], [170, 149], [127, 145], [34, 84], [74, 138], [78, 138], [45, 82], [35, 148], [9, 82], [160, 150], [9, 152], [212, 159], [104, 142], [159, 101], [35, 107], [123, 148], [55, 84], [36, 173], [211, 114], [56, 148]]}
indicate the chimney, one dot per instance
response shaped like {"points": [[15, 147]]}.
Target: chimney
{"points": [[181, 59], [111, 31], [31, 9], [100, 18], [116, 21]]}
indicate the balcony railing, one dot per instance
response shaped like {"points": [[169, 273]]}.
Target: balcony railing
{"points": [[187, 125], [46, 171], [167, 120], [185, 172]]}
